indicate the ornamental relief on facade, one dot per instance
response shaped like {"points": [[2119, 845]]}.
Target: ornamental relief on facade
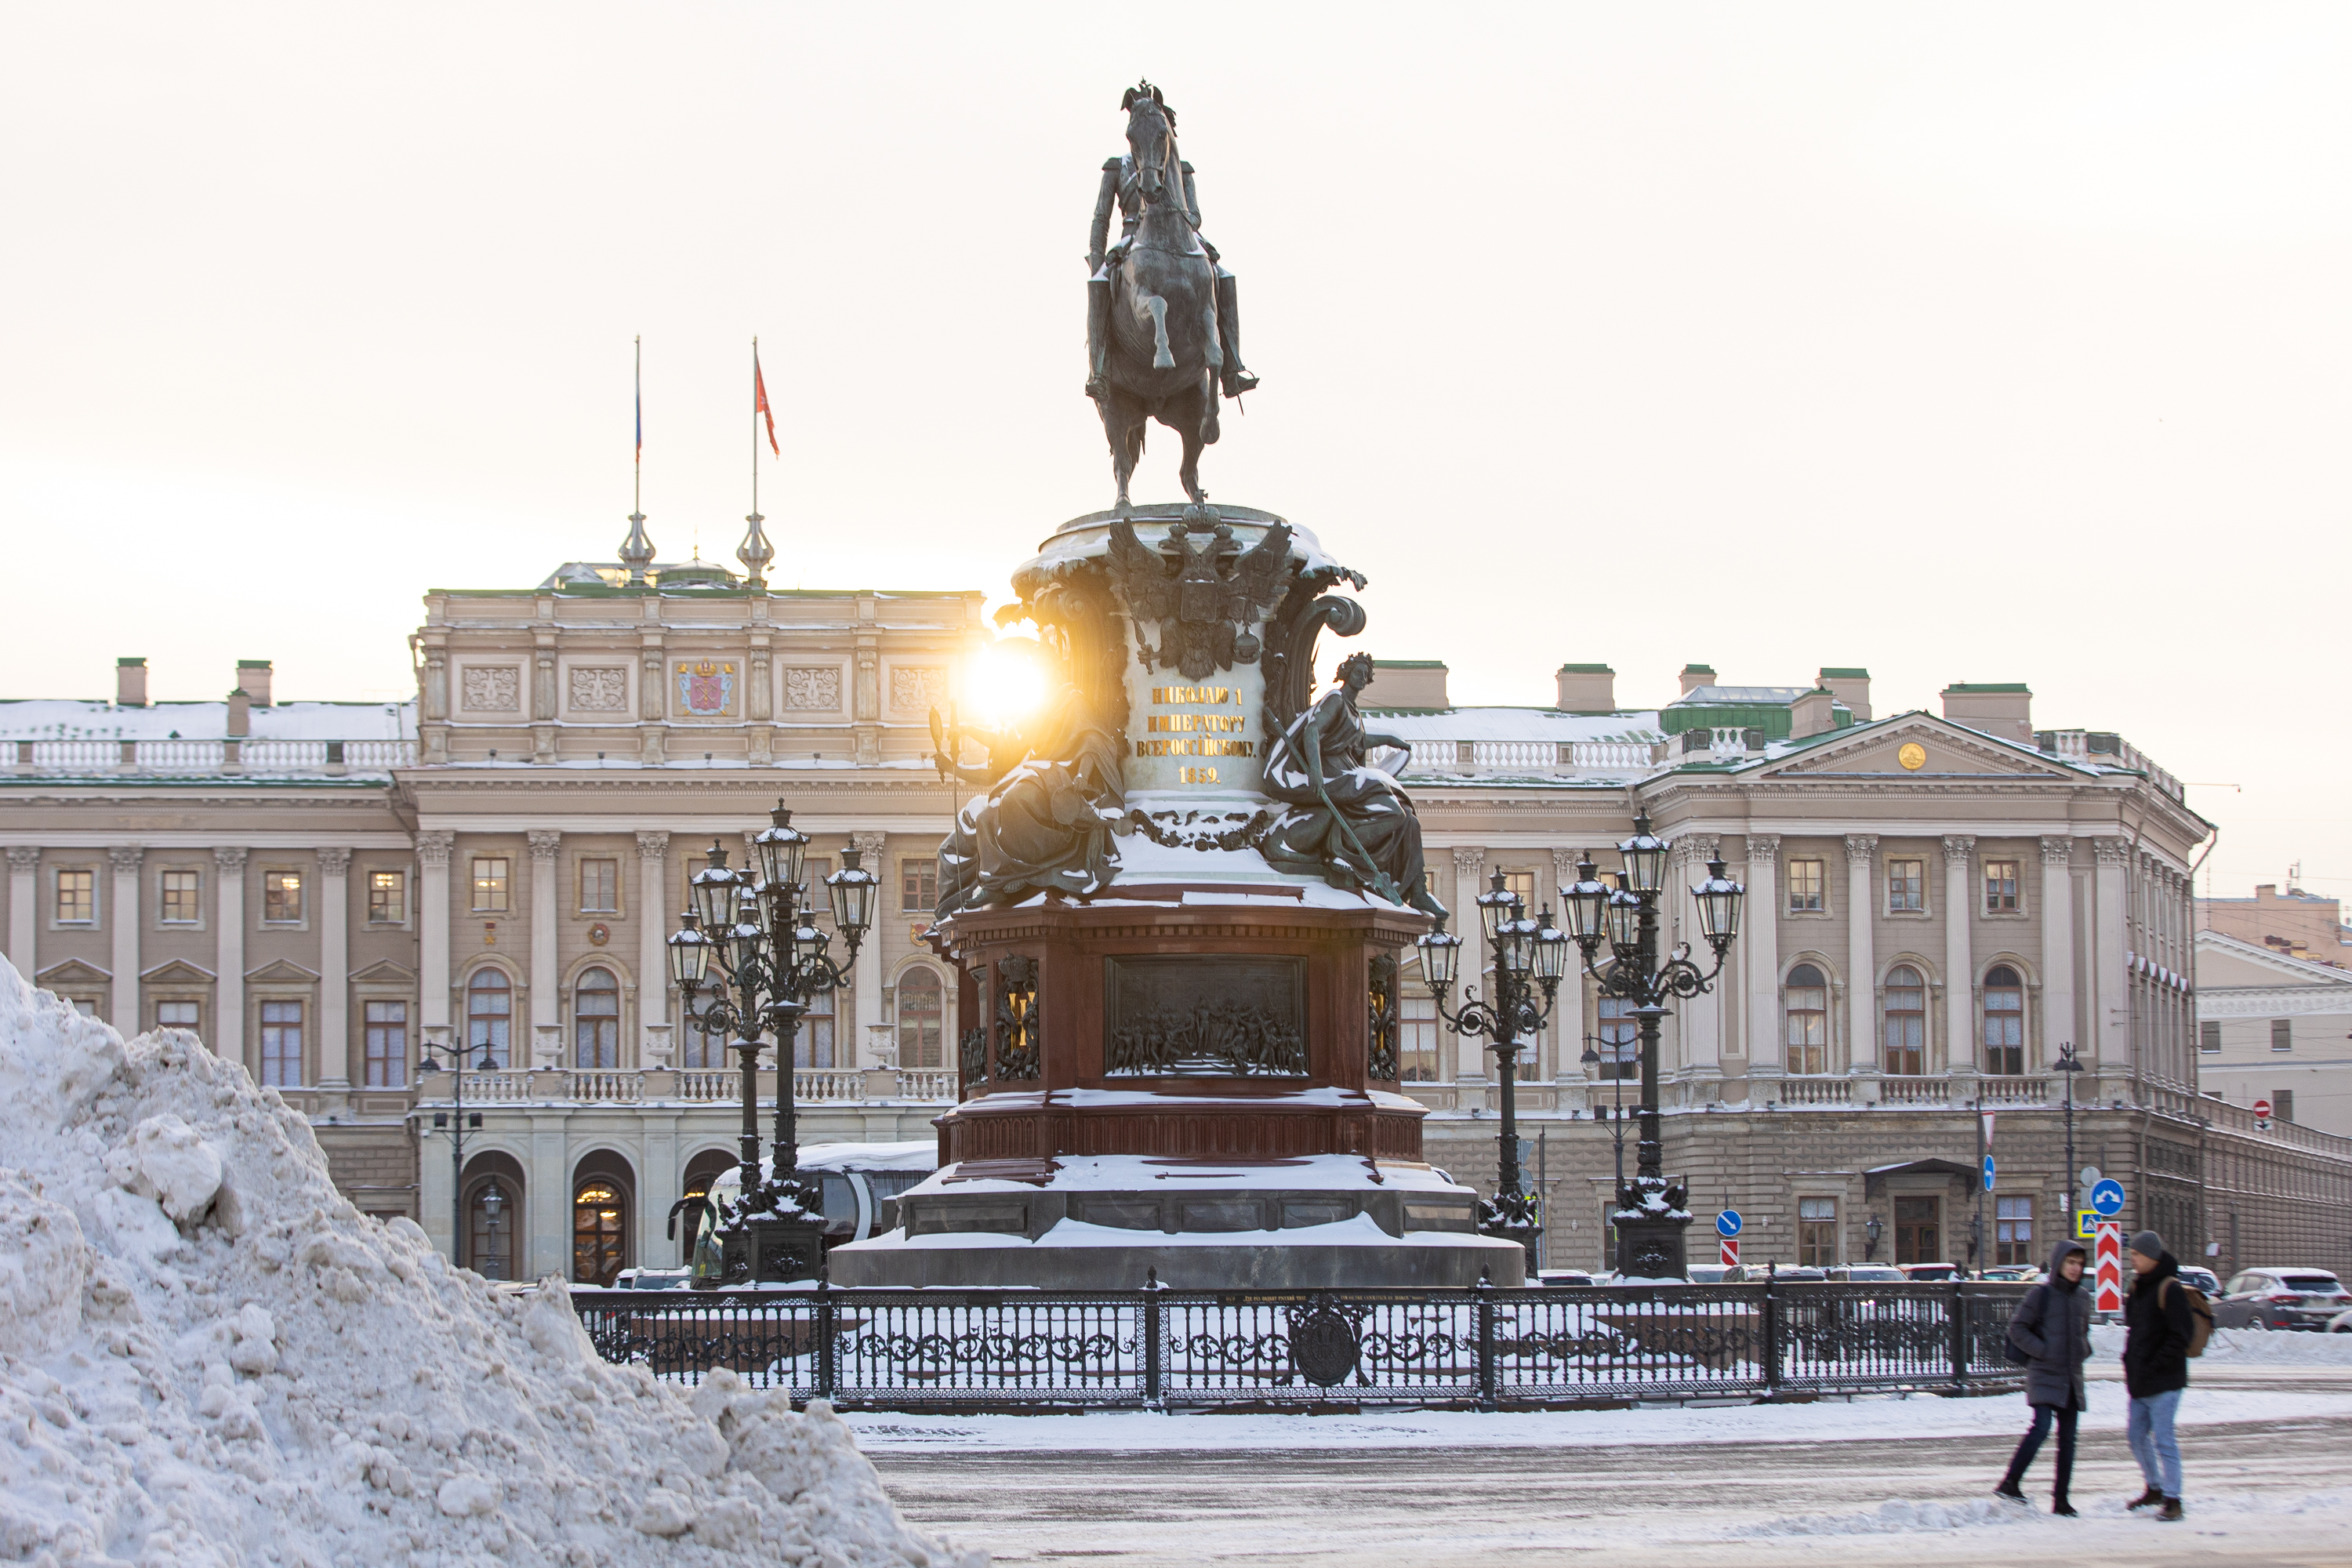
{"points": [[918, 687], [491, 687], [599, 689], [705, 688], [812, 689]]}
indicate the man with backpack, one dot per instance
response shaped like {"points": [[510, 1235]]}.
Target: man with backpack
{"points": [[2161, 1319], [2050, 1336]]}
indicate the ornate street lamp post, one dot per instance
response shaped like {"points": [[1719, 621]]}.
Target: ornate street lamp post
{"points": [[747, 957], [1651, 1215], [455, 1123], [1530, 956], [2070, 1064]]}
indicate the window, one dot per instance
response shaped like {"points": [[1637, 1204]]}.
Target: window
{"points": [[1817, 1233], [705, 1050], [919, 885], [2004, 1022], [596, 1022], [2013, 1237], [2281, 1034], [1805, 887], [77, 897], [85, 1005], [491, 1231], [1808, 1011], [489, 1008], [600, 886], [1521, 885], [281, 898], [814, 1046], [387, 898], [387, 1044], [922, 1006], [1621, 1040], [2000, 886], [182, 898], [179, 1015], [1906, 1021], [1918, 1231], [490, 884], [2283, 1104], [281, 1043], [1416, 1039], [1907, 887], [599, 1232], [2209, 1036]]}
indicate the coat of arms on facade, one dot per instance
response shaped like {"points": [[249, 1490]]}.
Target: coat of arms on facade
{"points": [[1202, 597], [706, 687]]}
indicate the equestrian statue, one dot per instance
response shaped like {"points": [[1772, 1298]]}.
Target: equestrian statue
{"points": [[1163, 329]]}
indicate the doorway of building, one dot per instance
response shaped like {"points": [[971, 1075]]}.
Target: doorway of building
{"points": [[1918, 1231], [599, 1231]]}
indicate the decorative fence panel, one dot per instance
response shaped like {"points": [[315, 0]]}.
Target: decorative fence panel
{"points": [[939, 1349]]}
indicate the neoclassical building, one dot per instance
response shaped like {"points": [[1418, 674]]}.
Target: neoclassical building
{"points": [[336, 892]]}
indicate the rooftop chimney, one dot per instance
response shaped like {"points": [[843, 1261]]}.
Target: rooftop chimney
{"points": [[253, 680], [1588, 689], [240, 714], [1810, 714], [1851, 686], [1698, 675], [130, 683], [1406, 683], [2003, 709]]}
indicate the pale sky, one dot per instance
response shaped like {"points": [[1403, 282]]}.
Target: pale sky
{"points": [[1965, 342]]}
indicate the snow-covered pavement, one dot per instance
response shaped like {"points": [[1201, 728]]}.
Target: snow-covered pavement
{"points": [[2269, 1466]]}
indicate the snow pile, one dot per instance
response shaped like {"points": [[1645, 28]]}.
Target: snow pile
{"points": [[207, 1357], [2298, 1347]]}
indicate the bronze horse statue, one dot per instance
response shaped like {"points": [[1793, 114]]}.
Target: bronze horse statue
{"points": [[1163, 331]]}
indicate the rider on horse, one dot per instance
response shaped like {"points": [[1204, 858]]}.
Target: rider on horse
{"points": [[1122, 184]]}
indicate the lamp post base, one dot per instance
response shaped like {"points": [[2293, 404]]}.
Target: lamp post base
{"points": [[771, 1247], [1652, 1229], [1514, 1220]]}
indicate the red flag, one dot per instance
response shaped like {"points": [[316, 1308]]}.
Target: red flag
{"points": [[759, 402]]}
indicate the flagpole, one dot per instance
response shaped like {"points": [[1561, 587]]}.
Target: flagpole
{"points": [[637, 488], [755, 427]]}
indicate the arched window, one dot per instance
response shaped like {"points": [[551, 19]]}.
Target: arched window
{"points": [[489, 1221], [596, 1021], [2004, 1022], [1906, 1021], [489, 1007], [1621, 1040], [599, 1231], [922, 1008], [1807, 1007]]}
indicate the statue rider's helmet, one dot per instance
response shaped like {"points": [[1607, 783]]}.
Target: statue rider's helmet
{"points": [[1356, 670]]}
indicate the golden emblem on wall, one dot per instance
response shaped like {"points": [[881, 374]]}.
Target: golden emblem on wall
{"points": [[1913, 756]]}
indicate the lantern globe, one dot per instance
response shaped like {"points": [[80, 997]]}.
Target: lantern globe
{"points": [[689, 958], [808, 943], [853, 890], [1624, 920], [1585, 904], [1494, 908], [1718, 899], [713, 892], [1645, 858], [1551, 945], [1441, 958], [781, 847]]}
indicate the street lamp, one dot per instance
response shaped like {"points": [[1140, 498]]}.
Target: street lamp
{"points": [[747, 958], [1653, 1215], [455, 1123], [1872, 1229], [2069, 1064], [1616, 1122], [1531, 957]]}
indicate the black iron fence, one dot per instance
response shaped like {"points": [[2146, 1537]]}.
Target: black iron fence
{"points": [[1486, 1347]]}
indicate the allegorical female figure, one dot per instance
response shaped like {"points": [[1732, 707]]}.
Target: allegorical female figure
{"points": [[1348, 822], [1054, 794]]}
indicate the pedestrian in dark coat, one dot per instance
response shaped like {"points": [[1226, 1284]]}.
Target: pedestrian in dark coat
{"points": [[2052, 1326], [2159, 1327]]}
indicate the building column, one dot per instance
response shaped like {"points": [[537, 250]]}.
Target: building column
{"points": [[547, 1205], [653, 954], [336, 1068], [2057, 947], [1574, 1019], [1861, 955], [433, 849], [1762, 941], [2110, 1042], [868, 980], [25, 908], [1960, 967], [1702, 1016], [228, 996], [124, 913], [546, 995], [1469, 881]]}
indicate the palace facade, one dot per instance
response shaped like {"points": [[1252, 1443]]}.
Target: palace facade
{"points": [[337, 893]]}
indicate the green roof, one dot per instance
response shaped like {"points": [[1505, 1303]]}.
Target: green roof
{"points": [[1842, 672], [1586, 669], [2016, 687]]}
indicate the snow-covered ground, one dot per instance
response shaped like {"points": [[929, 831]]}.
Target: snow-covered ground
{"points": [[208, 1357]]}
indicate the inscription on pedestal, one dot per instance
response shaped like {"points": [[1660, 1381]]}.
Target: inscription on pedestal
{"points": [[1187, 1015]]}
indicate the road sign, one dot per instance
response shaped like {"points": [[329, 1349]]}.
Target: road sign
{"points": [[2261, 1107], [2090, 1177], [2107, 1197], [1988, 1172], [2109, 1256], [1728, 1223], [2087, 1224], [1730, 1252]]}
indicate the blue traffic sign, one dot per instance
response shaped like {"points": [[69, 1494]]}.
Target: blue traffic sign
{"points": [[1728, 1223], [1988, 1172], [2107, 1197]]}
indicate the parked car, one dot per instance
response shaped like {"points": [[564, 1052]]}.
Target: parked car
{"points": [[2280, 1299], [1708, 1273], [1565, 1278], [1866, 1274], [2018, 1274], [2341, 1323], [2204, 1279], [1930, 1273], [652, 1279]]}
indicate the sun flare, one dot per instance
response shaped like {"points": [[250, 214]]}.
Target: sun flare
{"points": [[1006, 682]]}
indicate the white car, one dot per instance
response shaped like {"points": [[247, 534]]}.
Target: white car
{"points": [[2341, 1323]]}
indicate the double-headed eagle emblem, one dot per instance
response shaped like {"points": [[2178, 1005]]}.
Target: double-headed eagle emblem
{"points": [[1200, 597]]}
